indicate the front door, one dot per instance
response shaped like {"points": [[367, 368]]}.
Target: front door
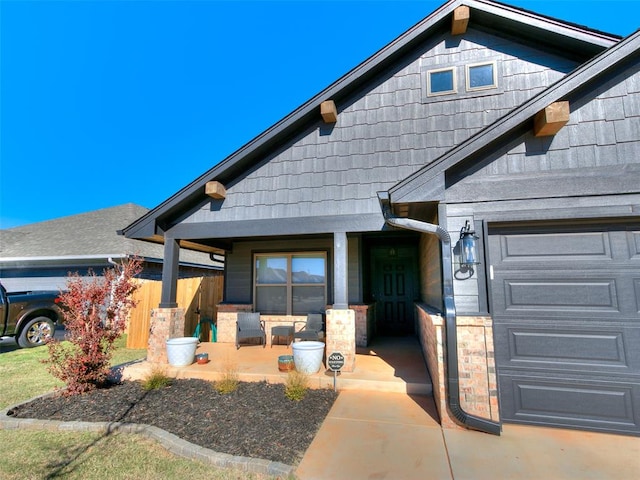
{"points": [[394, 292]]}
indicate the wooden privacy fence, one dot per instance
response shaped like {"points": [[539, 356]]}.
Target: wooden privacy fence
{"points": [[198, 296]]}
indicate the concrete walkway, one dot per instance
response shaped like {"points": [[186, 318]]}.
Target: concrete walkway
{"points": [[377, 435]]}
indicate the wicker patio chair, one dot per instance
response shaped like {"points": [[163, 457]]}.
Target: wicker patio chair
{"points": [[249, 325], [312, 328]]}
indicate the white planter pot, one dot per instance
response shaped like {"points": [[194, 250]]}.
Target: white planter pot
{"points": [[307, 356], [181, 351]]}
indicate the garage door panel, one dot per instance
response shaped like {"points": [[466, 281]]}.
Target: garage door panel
{"points": [[565, 301], [569, 348], [575, 246], [569, 294], [595, 295], [571, 402]]}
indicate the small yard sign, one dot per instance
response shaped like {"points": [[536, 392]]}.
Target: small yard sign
{"points": [[335, 361]]}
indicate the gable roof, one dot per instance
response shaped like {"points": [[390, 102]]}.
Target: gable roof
{"points": [[428, 182], [576, 41], [87, 235]]}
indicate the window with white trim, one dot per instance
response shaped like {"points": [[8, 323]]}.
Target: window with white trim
{"points": [[290, 283], [481, 76], [460, 80], [441, 81]]}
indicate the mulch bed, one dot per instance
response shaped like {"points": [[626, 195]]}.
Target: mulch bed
{"points": [[257, 420]]}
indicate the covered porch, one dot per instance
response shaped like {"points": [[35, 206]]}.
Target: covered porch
{"points": [[388, 364]]}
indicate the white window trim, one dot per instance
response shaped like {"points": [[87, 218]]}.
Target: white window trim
{"points": [[447, 92], [484, 87]]}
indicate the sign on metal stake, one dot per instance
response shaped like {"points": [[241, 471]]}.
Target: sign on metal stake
{"points": [[335, 362]]}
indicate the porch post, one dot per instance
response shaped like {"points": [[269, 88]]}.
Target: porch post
{"points": [[170, 273], [340, 276], [341, 325], [167, 321]]}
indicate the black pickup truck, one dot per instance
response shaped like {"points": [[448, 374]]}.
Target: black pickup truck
{"points": [[29, 316]]}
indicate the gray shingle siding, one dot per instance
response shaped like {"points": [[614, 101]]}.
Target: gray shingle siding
{"points": [[384, 134], [600, 133]]}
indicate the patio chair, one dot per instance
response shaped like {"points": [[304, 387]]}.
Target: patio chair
{"points": [[249, 325], [312, 328]]}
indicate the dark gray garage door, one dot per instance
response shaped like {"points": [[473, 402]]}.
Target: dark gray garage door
{"points": [[566, 309]]}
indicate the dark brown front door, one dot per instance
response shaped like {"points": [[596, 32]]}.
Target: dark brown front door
{"points": [[394, 291]]}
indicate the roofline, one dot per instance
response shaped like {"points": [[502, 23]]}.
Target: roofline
{"points": [[62, 257], [494, 133], [342, 87], [5, 262]]}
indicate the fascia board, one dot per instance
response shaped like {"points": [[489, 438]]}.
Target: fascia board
{"points": [[279, 226], [543, 22]]}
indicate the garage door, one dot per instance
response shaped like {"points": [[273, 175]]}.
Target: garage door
{"points": [[566, 309]]}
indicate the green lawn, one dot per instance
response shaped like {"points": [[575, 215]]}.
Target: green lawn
{"points": [[81, 455], [24, 375]]}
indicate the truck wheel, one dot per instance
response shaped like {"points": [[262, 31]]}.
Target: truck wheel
{"points": [[36, 332]]}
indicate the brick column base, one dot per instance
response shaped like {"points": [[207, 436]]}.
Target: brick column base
{"points": [[166, 323], [341, 336]]}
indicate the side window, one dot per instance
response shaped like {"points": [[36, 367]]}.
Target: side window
{"points": [[481, 76], [441, 82]]}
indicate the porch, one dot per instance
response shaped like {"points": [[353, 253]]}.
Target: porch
{"points": [[389, 364]]}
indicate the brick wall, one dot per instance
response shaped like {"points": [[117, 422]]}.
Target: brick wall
{"points": [[165, 323], [365, 322], [476, 365], [341, 336], [226, 321]]}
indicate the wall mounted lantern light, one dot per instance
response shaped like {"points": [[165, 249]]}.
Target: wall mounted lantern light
{"points": [[468, 248]]}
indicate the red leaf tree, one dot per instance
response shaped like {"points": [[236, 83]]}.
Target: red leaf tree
{"points": [[96, 311]]}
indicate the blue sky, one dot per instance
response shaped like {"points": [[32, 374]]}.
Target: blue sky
{"points": [[109, 102]]}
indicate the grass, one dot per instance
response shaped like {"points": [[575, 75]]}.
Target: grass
{"points": [[296, 386], [24, 376], [73, 455], [156, 379], [79, 455], [229, 381]]}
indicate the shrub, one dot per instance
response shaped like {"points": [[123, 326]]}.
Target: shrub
{"points": [[95, 311], [296, 386], [229, 381], [156, 379]]}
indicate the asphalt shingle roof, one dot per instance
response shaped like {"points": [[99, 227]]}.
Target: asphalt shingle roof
{"points": [[87, 234]]}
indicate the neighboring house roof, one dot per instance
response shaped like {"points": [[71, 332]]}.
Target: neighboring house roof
{"points": [[427, 183], [85, 236], [544, 32]]}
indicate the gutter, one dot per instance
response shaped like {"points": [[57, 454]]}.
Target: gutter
{"points": [[453, 378]]}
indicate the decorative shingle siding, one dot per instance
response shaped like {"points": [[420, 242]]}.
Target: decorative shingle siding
{"points": [[603, 130], [383, 134]]}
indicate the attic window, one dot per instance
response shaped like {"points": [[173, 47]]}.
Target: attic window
{"points": [[481, 76], [461, 80], [441, 81]]}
